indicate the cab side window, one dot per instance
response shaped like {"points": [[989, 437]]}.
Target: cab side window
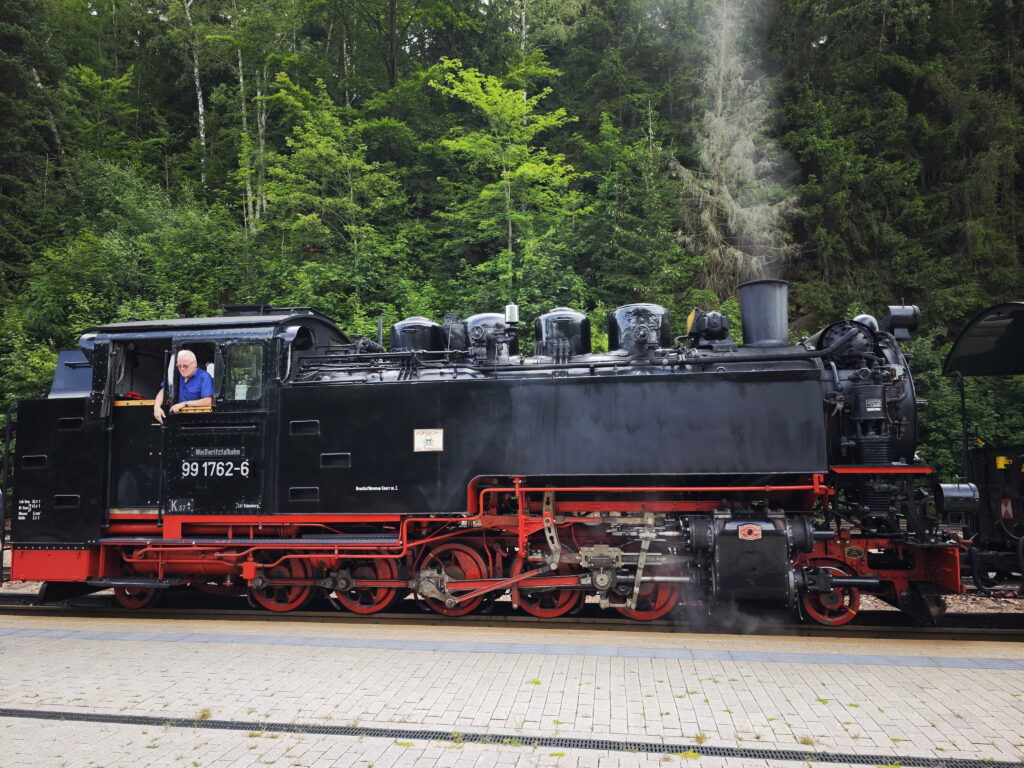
{"points": [[244, 380], [206, 354]]}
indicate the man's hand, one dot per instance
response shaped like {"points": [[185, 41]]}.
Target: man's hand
{"points": [[158, 413], [176, 408]]}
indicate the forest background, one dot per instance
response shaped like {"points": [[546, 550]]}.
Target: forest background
{"points": [[383, 158]]}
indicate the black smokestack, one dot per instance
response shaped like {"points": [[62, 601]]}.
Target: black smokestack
{"points": [[765, 308]]}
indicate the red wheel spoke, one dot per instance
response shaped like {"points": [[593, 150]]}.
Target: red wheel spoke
{"points": [[833, 608], [458, 562], [655, 599], [135, 598], [373, 599], [547, 603], [284, 597]]}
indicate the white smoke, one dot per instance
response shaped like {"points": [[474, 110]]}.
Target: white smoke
{"points": [[737, 205]]}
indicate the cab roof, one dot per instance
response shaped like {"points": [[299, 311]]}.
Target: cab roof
{"points": [[992, 344], [244, 317]]}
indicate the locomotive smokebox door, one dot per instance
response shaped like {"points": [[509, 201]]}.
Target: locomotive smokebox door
{"points": [[215, 457]]}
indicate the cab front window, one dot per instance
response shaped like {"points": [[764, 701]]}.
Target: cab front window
{"points": [[244, 372]]}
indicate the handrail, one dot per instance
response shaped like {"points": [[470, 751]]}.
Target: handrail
{"points": [[4, 485]]}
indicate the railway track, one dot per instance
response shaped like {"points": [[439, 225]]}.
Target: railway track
{"points": [[869, 624]]}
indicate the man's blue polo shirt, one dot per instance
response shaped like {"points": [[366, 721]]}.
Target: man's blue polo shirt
{"points": [[200, 385]]}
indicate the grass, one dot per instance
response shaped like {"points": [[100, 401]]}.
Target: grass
{"points": [[700, 738], [203, 714], [807, 741], [689, 755]]}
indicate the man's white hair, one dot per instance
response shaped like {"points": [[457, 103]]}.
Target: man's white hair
{"points": [[186, 356]]}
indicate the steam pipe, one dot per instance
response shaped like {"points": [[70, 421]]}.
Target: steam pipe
{"points": [[807, 354], [794, 353], [728, 357]]}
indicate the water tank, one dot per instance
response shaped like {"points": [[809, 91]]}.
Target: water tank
{"points": [[635, 328], [562, 332]]}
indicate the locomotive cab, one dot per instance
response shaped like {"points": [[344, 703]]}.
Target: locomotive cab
{"points": [[92, 461], [987, 504]]}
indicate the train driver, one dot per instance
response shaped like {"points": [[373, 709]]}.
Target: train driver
{"points": [[195, 387]]}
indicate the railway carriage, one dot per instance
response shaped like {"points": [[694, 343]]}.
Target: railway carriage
{"points": [[668, 472]]}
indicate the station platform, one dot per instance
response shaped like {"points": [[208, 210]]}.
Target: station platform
{"points": [[233, 694]]}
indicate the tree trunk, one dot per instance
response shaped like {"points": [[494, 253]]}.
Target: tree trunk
{"points": [[346, 60], [392, 43], [522, 25], [200, 105], [248, 211], [261, 156], [51, 121]]}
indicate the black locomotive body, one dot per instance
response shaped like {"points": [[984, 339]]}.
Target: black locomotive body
{"points": [[455, 468]]}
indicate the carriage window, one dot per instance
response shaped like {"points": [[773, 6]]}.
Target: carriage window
{"points": [[244, 372]]}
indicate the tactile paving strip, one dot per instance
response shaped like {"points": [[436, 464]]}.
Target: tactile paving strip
{"points": [[606, 651], [607, 745]]}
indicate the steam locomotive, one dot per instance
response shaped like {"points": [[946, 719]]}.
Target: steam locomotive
{"points": [[667, 473]]}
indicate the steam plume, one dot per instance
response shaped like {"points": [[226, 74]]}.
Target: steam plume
{"points": [[736, 205]]}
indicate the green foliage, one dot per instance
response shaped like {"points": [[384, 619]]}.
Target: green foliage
{"points": [[629, 239], [332, 211], [100, 119], [133, 250], [514, 203], [378, 159]]}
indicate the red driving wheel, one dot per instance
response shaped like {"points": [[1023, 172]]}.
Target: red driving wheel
{"points": [[458, 562], [371, 599], [833, 608], [284, 597], [656, 598], [547, 603]]}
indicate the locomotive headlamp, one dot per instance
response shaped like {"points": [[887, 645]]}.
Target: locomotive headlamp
{"points": [[900, 320]]}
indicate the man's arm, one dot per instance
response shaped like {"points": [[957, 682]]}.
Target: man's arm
{"points": [[205, 389], [202, 402], [158, 402]]}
